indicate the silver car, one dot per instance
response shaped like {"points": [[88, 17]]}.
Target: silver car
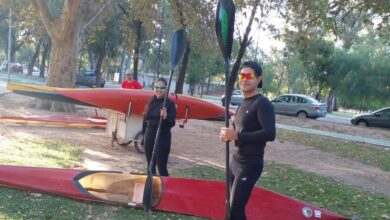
{"points": [[300, 105], [236, 99]]}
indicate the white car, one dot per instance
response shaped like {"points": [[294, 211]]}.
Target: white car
{"points": [[4, 65]]}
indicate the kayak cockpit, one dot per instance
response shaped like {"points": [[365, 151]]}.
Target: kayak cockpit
{"points": [[117, 187]]}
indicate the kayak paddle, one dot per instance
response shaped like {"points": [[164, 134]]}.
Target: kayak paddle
{"points": [[177, 52], [224, 27]]}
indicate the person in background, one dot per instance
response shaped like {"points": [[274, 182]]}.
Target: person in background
{"points": [[254, 125], [130, 82], [153, 111]]}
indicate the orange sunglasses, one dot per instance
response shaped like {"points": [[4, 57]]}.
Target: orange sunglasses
{"points": [[246, 76]]}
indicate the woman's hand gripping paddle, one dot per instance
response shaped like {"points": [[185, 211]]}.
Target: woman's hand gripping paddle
{"points": [[177, 51], [224, 27]]}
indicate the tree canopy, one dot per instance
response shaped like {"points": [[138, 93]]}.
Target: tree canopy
{"points": [[334, 50]]}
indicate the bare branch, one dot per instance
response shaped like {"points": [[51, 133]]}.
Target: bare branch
{"points": [[47, 18], [96, 18]]}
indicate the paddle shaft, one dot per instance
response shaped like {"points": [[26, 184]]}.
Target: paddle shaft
{"points": [[227, 159]]}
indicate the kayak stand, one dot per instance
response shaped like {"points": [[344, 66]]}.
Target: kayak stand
{"points": [[125, 128]]}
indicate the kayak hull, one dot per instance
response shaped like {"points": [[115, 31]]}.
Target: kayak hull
{"points": [[195, 197]]}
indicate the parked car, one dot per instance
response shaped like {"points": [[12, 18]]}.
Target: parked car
{"points": [[35, 71], [88, 78], [4, 65], [237, 98], [300, 105], [16, 68], [378, 118]]}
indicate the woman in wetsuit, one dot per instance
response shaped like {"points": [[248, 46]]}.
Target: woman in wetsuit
{"points": [[254, 125], [153, 111]]}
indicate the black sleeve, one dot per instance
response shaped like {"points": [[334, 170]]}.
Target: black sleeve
{"points": [[171, 115], [266, 118]]}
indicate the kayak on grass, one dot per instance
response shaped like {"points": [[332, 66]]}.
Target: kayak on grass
{"points": [[204, 198]]}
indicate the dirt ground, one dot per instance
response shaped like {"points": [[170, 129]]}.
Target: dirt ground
{"points": [[198, 143]]}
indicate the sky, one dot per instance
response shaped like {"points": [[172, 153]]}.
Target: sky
{"points": [[262, 38]]}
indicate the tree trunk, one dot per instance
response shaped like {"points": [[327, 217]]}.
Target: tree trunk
{"points": [[160, 36], [208, 85], [330, 102], [13, 48], [45, 55], [138, 29], [192, 90], [91, 59], [98, 68], [280, 85], [122, 66], [183, 68], [34, 58], [63, 60]]}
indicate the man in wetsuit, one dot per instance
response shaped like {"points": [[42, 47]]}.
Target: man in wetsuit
{"points": [[254, 125]]}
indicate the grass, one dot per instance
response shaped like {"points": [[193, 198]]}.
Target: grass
{"points": [[30, 152], [374, 156], [342, 114], [21, 78]]}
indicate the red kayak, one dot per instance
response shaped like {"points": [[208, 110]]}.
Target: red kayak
{"points": [[195, 197], [128, 101]]}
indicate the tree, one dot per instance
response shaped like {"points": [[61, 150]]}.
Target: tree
{"points": [[195, 17], [105, 40], [141, 18], [68, 30]]}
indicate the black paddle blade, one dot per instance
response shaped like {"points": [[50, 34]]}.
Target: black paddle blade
{"points": [[179, 41], [224, 26], [148, 192]]}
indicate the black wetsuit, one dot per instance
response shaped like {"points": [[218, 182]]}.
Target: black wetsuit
{"points": [[255, 125], [149, 130]]}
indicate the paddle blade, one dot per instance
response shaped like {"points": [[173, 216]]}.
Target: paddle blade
{"points": [[148, 192], [224, 26], [179, 41]]}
